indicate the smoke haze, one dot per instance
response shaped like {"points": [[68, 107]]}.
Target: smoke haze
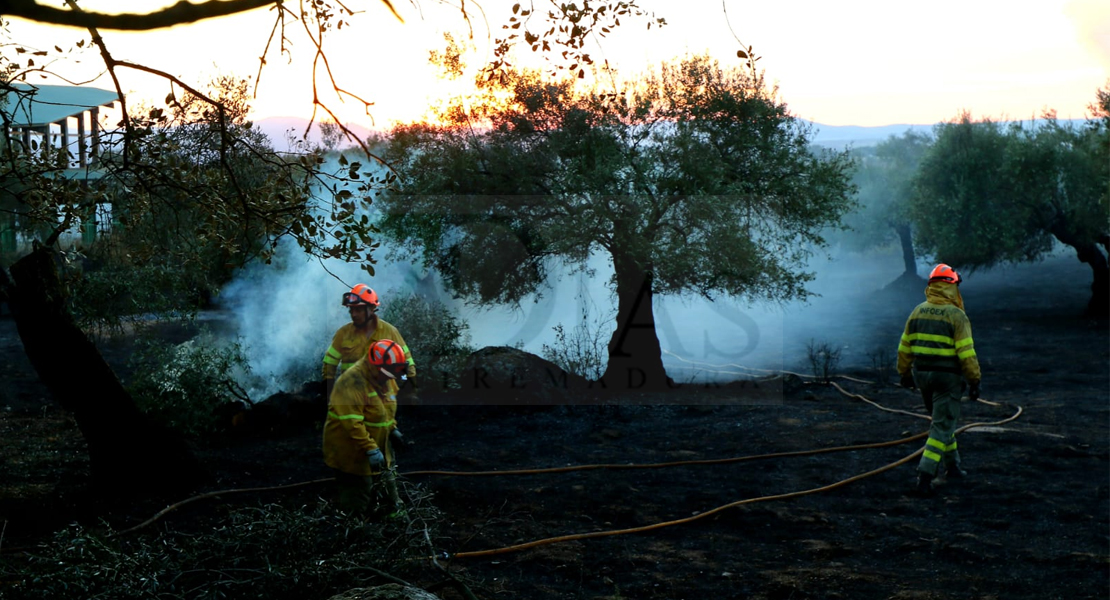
{"points": [[286, 313]]}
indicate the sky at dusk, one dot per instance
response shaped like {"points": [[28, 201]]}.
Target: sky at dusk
{"points": [[850, 62]]}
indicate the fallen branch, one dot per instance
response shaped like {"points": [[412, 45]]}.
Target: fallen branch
{"points": [[178, 505]]}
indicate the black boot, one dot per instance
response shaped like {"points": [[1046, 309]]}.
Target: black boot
{"points": [[924, 484]]}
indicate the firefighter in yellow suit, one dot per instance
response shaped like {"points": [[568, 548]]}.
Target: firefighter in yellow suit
{"points": [[352, 340], [362, 414], [937, 345]]}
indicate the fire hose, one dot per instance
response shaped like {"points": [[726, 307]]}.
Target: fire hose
{"points": [[617, 466]]}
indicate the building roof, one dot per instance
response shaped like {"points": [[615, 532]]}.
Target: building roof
{"points": [[52, 103]]}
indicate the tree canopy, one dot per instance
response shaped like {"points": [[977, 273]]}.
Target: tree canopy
{"points": [[990, 193], [696, 179]]}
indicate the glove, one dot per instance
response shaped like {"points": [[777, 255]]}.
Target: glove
{"points": [[973, 392], [907, 381], [397, 438], [377, 459]]}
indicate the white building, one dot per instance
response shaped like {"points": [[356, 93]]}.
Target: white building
{"points": [[67, 119]]}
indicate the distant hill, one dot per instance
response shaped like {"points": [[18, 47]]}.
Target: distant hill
{"points": [[831, 136], [839, 136], [278, 128]]}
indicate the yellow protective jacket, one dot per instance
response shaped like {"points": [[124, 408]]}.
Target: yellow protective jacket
{"points": [[361, 414], [937, 336], [349, 345]]}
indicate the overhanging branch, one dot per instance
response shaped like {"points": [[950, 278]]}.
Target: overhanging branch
{"points": [[178, 14]]}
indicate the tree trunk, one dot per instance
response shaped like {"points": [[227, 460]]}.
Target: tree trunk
{"points": [[909, 259], [635, 357], [1090, 253], [1099, 305], [127, 452]]}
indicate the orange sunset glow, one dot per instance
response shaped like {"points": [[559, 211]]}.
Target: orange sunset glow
{"points": [[859, 62]]}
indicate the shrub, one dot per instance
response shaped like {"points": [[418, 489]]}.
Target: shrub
{"points": [[107, 298], [582, 351], [438, 340], [823, 360], [182, 385]]}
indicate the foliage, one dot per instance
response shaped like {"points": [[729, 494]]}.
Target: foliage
{"points": [[823, 360], [1097, 144], [182, 385], [696, 179], [989, 193], [972, 208], [227, 196], [192, 189], [265, 551], [1095, 138], [109, 294], [439, 341], [550, 172], [582, 350]]}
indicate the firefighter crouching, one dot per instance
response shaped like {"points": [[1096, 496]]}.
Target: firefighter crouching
{"points": [[361, 418], [938, 346]]}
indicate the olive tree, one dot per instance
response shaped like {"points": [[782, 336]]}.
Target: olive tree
{"points": [[990, 193], [696, 179]]}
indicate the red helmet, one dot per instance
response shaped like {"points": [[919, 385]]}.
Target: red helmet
{"points": [[388, 355], [361, 295], [943, 272]]}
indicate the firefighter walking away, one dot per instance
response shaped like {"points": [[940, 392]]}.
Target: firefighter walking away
{"points": [[937, 355]]}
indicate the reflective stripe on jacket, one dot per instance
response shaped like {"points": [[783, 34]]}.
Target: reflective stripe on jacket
{"points": [[361, 414], [937, 336]]}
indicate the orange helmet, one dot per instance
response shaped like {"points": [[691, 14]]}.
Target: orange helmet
{"points": [[388, 355], [361, 295], [943, 272]]}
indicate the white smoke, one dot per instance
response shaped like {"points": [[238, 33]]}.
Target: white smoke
{"points": [[285, 314]]}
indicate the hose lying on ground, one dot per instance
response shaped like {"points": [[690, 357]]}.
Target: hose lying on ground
{"points": [[713, 511], [595, 534]]}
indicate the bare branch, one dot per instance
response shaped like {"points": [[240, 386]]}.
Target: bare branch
{"points": [[165, 75]]}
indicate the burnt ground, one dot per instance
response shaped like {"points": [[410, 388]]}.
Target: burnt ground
{"points": [[1032, 521]]}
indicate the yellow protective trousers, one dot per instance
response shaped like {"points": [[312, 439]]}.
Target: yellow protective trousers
{"points": [[945, 390]]}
